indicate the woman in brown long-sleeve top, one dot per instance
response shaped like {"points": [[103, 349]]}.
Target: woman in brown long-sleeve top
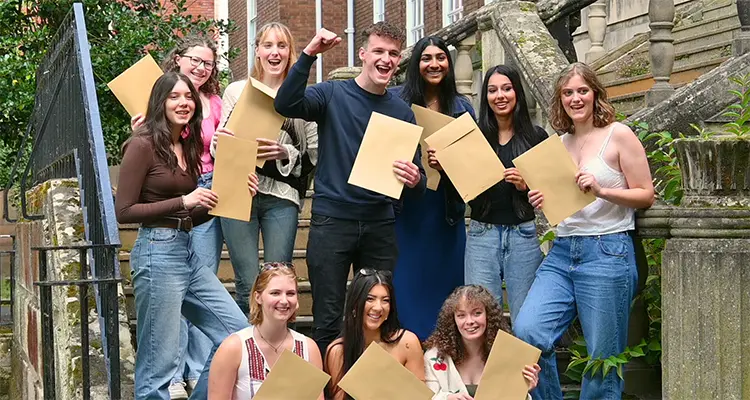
{"points": [[157, 188]]}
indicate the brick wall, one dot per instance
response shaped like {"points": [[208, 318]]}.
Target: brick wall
{"points": [[268, 11], [335, 20], [299, 16], [238, 38], [204, 8]]}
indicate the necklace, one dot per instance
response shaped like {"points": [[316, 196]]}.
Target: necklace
{"points": [[275, 348], [580, 148], [431, 103]]}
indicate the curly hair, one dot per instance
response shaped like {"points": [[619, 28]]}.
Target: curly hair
{"points": [[383, 29], [604, 112], [446, 337], [211, 87], [268, 271]]}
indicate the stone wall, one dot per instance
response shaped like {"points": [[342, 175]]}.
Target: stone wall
{"points": [[59, 202]]}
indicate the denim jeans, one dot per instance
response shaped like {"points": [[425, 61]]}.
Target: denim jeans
{"points": [[594, 277], [205, 243], [333, 247], [168, 280], [274, 218], [503, 252]]}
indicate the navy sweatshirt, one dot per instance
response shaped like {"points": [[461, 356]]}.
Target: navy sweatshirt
{"points": [[342, 110]]}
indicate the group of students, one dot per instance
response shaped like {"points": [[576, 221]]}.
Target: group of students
{"points": [[416, 249]]}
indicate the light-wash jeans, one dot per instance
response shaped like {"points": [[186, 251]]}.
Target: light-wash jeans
{"points": [[168, 280], [206, 243], [594, 277], [503, 252], [274, 218]]}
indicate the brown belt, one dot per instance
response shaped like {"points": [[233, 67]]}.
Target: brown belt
{"points": [[181, 224]]}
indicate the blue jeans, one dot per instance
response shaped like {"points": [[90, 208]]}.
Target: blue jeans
{"points": [[497, 252], [594, 277], [205, 243], [168, 280], [274, 218]]}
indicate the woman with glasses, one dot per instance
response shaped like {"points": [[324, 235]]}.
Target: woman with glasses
{"points": [[370, 316], [245, 358]]}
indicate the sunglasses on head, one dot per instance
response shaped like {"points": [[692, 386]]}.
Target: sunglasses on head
{"points": [[372, 271], [267, 266]]}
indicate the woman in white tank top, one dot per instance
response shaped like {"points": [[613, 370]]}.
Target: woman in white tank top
{"points": [[245, 358], [590, 271]]}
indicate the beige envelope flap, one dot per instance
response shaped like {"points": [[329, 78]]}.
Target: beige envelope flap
{"points": [[472, 165], [377, 376], [309, 380], [502, 378], [431, 121], [263, 88], [452, 132], [548, 167], [231, 168], [133, 87]]}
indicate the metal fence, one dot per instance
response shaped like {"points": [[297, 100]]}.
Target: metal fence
{"points": [[7, 274], [67, 142]]}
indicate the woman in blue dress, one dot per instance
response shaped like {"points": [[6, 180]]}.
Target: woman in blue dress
{"points": [[430, 230]]}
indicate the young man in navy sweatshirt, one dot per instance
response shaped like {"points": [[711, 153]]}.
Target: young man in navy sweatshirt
{"points": [[349, 225]]}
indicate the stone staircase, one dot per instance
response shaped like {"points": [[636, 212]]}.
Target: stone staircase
{"points": [[703, 35]]}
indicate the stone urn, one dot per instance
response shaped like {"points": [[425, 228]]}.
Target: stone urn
{"points": [[715, 171]]}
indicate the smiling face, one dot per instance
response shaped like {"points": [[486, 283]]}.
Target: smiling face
{"points": [[501, 96], [433, 65], [380, 58], [471, 320], [180, 105], [377, 307], [192, 63], [278, 300], [273, 52], [578, 99]]}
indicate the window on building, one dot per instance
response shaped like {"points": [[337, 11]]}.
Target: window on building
{"points": [[414, 21], [378, 11], [252, 26], [453, 10]]}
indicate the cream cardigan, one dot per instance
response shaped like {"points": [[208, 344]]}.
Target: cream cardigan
{"points": [[442, 377]]}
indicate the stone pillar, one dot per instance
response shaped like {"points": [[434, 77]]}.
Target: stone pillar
{"points": [[597, 30], [463, 66], [343, 73], [493, 52], [661, 49], [742, 41]]}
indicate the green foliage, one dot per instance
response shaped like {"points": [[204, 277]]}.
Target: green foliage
{"points": [[119, 33], [739, 111], [667, 177]]}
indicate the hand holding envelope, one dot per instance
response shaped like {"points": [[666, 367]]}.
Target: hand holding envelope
{"points": [[502, 378], [231, 169], [548, 167], [292, 378], [392, 380], [254, 116], [466, 157], [133, 87], [432, 122]]}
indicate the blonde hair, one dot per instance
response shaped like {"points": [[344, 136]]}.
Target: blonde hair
{"points": [[269, 271], [604, 112], [283, 31]]}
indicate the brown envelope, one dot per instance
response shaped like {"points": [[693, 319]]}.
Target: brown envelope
{"points": [[466, 157], [377, 376], [432, 122], [231, 168], [548, 167], [133, 87], [502, 378], [253, 115], [386, 140], [292, 378]]}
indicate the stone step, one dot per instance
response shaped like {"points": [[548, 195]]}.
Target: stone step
{"points": [[628, 104], [710, 10]]}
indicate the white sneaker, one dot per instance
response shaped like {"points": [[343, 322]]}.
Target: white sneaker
{"points": [[177, 391]]}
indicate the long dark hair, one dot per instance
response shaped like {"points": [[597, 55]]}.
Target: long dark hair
{"points": [[158, 128], [413, 91], [353, 335]]}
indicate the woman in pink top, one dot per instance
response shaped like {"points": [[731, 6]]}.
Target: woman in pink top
{"points": [[195, 57]]}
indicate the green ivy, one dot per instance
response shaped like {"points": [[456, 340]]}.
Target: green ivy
{"points": [[739, 111]]}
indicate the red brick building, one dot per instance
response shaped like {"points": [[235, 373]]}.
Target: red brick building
{"points": [[418, 17]]}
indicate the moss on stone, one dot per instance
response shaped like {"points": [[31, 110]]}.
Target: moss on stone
{"points": [[527, 7]]}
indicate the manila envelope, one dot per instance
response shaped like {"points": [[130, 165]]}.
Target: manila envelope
{"points": [[133, 87], [502, 378], [386, 140], [548, 167], [292, 378], [377, 375], [431, 121], [253, 115], [231, 168], [466, 157]]}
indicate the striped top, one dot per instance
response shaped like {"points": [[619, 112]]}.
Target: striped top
{"points": [[253, 367]]}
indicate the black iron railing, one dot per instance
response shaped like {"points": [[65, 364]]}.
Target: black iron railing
{"points": [[67, 142], [7, 276]]}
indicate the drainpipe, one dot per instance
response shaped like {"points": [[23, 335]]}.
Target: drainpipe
{"points": [[350, 31], [319, 26]]}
